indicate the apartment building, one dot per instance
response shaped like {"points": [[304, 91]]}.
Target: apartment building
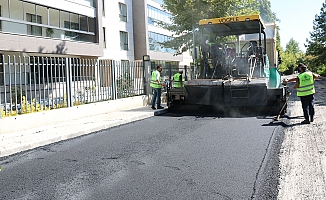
{"points": [[47, 48], [110, 29], [51, 28], [117, 23], [148, 35]]}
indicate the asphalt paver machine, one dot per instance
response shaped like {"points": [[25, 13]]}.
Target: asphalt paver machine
{"points": [[233, 75]]}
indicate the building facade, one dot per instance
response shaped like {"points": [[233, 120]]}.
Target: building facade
{"points": [[117, 22], [109, 29], [148, 35], [51, 28]]}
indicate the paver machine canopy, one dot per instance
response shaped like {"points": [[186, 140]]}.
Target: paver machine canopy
{"points": [[233, 58]]}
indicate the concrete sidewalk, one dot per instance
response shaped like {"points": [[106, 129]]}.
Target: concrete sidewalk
{"points": [[12, 142]]}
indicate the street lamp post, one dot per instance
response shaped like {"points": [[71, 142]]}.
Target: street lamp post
{"points": [[147, 70], [194, 53]]}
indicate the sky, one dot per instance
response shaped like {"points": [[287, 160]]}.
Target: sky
{"points": [[296, 19]]}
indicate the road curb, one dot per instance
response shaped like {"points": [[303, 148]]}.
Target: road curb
{"points": [[160, 112]]}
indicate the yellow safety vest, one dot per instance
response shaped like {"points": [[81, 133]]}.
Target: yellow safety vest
{"points": [[177, 80], [154, 83], [306, 84]]}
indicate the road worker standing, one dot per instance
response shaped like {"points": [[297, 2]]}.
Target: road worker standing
{"points": [[156, 84], [304, 83], [177, 79]]}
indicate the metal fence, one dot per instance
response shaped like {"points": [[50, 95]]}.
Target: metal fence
{"points": [[31, 84]]}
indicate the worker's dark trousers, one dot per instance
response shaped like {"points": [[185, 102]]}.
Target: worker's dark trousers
{"points": [[156, 96], [307, 103]]}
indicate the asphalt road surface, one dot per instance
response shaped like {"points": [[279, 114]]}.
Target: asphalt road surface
{"points": [[162, 157]]}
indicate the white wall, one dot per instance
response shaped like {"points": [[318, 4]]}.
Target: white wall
{"points": [[113, 26]]}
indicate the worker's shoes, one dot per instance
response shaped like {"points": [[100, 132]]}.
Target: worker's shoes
{"points": [[153, 108], [311, 118], [305, 122], [160, 107]]}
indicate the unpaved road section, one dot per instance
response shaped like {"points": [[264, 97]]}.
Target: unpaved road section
{"points": [[303, 152]]}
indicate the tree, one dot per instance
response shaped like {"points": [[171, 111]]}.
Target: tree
{"points": [[293, 47], [291, 57], [316, 45], [266, 12], [187, 13], [279, 48]]}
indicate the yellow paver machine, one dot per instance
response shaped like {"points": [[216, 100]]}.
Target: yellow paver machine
{"points": [[238, 74]]}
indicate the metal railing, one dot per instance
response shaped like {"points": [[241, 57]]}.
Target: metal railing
{"points": [[31, 84]]}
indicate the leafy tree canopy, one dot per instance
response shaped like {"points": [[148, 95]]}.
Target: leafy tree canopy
{"points": [[316, 46], [187, 13], [265, 11], [291, 57], [293, 47]]}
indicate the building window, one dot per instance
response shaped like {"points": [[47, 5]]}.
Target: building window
{"points": [[34, 30], [154, 40], [103, 7], [71, 25], [155, 14], [123, 12], [150, 21], [123, 40], [25, 17], [68, 34], [0, 20], [104, 37]]}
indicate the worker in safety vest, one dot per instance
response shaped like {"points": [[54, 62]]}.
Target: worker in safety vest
{"points": [[304, 83], [177, 79], [156, 84], [209, 53]]}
